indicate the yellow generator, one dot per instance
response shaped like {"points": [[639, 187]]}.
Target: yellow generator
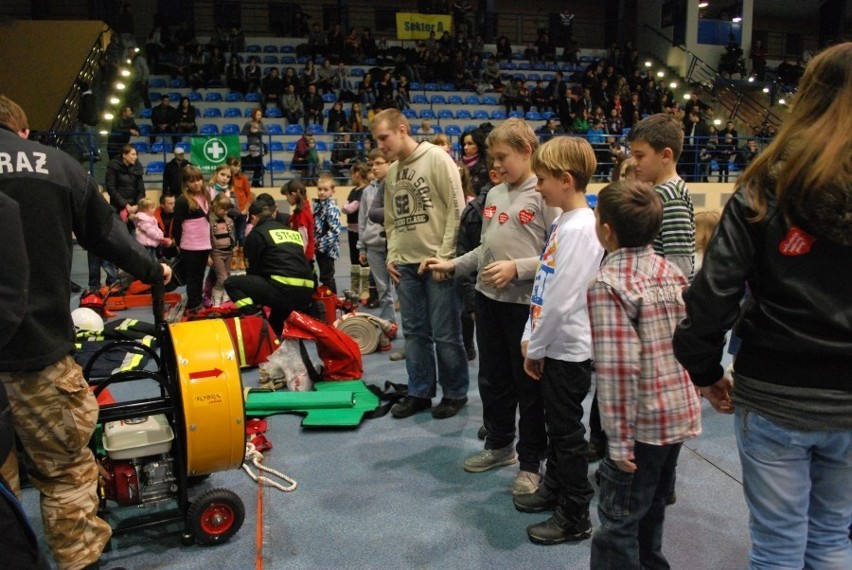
{"points": [[152, 449]]}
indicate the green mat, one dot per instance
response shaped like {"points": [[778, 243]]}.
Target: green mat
{"points": [[333, 404]]}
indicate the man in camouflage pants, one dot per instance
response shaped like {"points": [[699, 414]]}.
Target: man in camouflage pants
{"points": [[53, 409]]}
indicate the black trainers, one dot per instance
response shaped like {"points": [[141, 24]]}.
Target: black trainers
{"points": [[671, 498], [542, 500], [448, 408], [409, 406], [558, 529]]}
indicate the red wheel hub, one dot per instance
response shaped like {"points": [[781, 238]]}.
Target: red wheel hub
{"points": [[217, 519]]}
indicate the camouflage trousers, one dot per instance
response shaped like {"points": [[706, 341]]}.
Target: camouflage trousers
{"points": [[55, 414]]}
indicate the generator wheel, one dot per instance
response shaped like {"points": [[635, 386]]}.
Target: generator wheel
{"points": [[215, 516]]}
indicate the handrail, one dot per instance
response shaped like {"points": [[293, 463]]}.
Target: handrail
{"points": [[709, 77]]}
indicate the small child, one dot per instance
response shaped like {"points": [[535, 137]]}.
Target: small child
{"points": [[705, 224], [557, 343], [301, 215], [223, 238], [326, 230], [647, 402], [148, 232], [313, 158], [442, 141], [515, 221], [656, 143], [360, 276]]}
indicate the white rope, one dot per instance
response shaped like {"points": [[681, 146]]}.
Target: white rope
{"points": [[256, 458]]}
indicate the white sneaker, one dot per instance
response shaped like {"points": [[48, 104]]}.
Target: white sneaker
{"points": [[526, 483]]}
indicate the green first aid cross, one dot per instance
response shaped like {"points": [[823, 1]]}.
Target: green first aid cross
{"points": [[209, 152]]}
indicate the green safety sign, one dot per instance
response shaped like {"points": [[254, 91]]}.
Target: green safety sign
{"points": [[208, 152]]}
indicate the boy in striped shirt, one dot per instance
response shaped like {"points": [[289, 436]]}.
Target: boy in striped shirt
{"points": [[656, 143], [647, 404]]}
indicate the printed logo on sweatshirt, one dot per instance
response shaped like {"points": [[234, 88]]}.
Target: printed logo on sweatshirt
{"points": [[797, 242], [489, 212], [503, 217], [411, 201], [526, 216]]}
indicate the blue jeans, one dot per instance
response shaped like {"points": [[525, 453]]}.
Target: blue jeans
{"points": [[632, 508], [798, 487], [431, 322]]}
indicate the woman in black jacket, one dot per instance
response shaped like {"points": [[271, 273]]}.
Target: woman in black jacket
{"points": [[124, 182]]}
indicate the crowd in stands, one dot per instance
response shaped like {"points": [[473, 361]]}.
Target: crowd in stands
{"points": [[600, 99]]}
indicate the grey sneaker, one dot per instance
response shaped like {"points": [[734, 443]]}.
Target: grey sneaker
{"points": [[526, 483], [490, 458]]}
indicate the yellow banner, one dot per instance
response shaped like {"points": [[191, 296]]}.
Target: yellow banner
{"points": [[414, 26]]}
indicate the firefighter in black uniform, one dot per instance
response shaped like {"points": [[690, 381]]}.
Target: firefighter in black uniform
{"points": [[278, 273]]}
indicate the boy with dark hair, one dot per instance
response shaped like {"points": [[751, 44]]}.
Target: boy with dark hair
{"points": [[647, 403], [656, 143]]}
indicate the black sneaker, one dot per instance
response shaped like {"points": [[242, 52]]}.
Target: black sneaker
{"points": [[409, 406], [671, 498], [558, 529], [542, 500], [448, 408]]}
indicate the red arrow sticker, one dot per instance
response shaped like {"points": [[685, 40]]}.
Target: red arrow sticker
{"points": [[205, 374]]}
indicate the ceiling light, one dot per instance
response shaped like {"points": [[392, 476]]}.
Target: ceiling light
{"points": [[717, 122], [120, 86], [766, 89], [782, 101], [648, 63], [109, 116], [114, 100], [686, 96], [673, 85], [737, 20], [751, 79], [125, 73], [703, 4], [103, 132]]}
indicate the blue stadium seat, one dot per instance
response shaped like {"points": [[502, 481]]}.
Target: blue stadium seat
{"points": [[156, 83], [409, 113], [420, 99], [161, 147], [448, 87], [270, 59], [291, 146], [533, 77], [212, 113], [270, 49], [469, 128], [230, 129], [253, 48], [145, 113], [427, 114], [276, 166], [524, 66], [155, 167], [498, 114], [358, 72], [549, 115], [489, 100], [480, 114], [155, 97], [294, 129], [316, 129], [548, 77], [141, 147], [453, 130], [438, 100], [194, 96], [508, 65], [329, 98], [145, 129], [415, 86], [288, 49], [274, 113], [437, 129], [233, 97], [209, 129], [231, 112], [276, 146], [175, 97], [177, 83], [471, 100], [253, 97], [516, 114], [592, 200], [322, 146], [288, 60], [533, 116], [431, 87], [463, 114], [455, 100], [275, 129], [445, 113], [184, 146], [302, 59], [213, 97]]}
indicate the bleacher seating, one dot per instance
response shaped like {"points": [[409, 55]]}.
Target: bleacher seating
{"points": [[194, 96], [141, 147], [231, 112], [233, 97], [275, 129], [213, 96], [209, 129], [155, 167], [161, 147], [274, 113], [231, 129], [212, 113]]}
